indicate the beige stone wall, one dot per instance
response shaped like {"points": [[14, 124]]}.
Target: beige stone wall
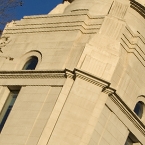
{"points": [[95, 7], [60, 41], [109, 130], [78, 115], [90, 75], [29, 115]]}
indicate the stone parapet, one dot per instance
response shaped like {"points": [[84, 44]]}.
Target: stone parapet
{"points": [[80, 21]]}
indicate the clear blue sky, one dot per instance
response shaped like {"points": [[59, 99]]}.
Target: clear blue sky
{"points": [[30, 7], [35, 7]]}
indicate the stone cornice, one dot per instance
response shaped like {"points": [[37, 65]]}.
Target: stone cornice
{"points": [[138, 7], [77, 73], [81, 21], [77, 13], [23, 74], [43, 74], [90, 78], [125, 109], [114, 97]]}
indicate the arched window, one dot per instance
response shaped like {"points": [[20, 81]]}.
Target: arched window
{"points": [[31, 63], [139, 109], [131, 140]]}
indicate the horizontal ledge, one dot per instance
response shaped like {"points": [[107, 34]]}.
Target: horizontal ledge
{"points": [[77, 73], [83, 31]]}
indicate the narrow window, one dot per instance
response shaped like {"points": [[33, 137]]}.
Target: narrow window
{"points": [[31, 63], [131, 140], [139, 109], [7, 107]]}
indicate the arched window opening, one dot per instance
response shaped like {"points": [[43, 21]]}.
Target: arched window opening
{"points": [[131, 140], [31, 63], [139, 109]]}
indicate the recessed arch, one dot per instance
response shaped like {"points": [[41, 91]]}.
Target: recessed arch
{"points": [[30, 60], [139, 108], [31, 63]]}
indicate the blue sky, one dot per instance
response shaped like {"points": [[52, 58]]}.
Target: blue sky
{"points": [[30, 7], [35, 7]]}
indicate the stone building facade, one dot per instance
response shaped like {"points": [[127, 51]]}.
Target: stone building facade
{"points": [[75, 76]]}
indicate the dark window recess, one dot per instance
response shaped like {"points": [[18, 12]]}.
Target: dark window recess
{"points": [[139, 109], [7, 108], [131, 139], [31, 63]]}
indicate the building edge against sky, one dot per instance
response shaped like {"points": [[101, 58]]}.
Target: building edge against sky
{"points": [[75, 76]]}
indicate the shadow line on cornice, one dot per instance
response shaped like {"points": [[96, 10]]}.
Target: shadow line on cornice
{"points": [[138, 7]]}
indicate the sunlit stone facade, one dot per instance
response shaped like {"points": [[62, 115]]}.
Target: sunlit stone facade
{"points": [[75, 76]]}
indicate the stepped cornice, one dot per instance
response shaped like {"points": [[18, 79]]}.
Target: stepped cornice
{"points": [[138, 7], [53, 23]]}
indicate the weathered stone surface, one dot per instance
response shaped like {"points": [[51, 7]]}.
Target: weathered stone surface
{"points": [[88, 79]]}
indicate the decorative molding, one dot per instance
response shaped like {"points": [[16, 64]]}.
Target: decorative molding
{"points": [[43, 74], [125, 109], [76, 73], [33, 74], [114, 97], [69, 74], [134, 44], [90, 78], [138, 7], [63, 15], [84, 22], [118, 9]]}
